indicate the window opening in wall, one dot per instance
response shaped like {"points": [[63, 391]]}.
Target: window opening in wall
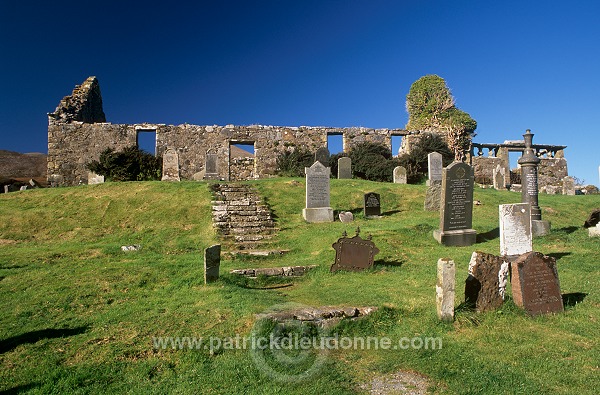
{"points": [[335, 143], [396, 144], [242, 164], [146, 141]]}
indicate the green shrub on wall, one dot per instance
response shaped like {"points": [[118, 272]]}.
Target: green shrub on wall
{"points": [[291, 163], [415, 162], [372, 161], [131, 164]]}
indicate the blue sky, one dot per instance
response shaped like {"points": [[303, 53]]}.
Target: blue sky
{"points": [[512, 65]]}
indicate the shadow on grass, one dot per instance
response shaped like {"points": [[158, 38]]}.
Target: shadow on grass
{"points": [[487, 236], [260, 283], [35, 336], [13, 266], [568, 229], [558, 255], [392, 212], [570, 300], [384, 262], [19, 389]]}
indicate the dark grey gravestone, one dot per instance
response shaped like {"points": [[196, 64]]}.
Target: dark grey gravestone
{"points": [[212, 262], [372, 204], [456, 206], [322, 155], [535, 285], [485, 286], [344, 168], [353, 253], [212, 172]]}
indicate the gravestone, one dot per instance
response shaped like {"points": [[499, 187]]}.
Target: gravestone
{"points": [[353, 253], [433, 195], [593, 219], [515, 229], [346, 217], [498, 178], [444, 289], [170, 169], [434, 167], [535, 284], [322, 155], [372, 204], [211, 169], [94, 178], [344, 168], [212, 262], [399, 175], [456, 206], [485, 286], [23, 188], [568, 186], [317, 194]]}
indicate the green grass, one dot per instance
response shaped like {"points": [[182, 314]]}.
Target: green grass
{"points": [[78, 315]]}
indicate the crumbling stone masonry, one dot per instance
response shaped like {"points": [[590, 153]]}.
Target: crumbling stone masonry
{"points": [[78, 133]]}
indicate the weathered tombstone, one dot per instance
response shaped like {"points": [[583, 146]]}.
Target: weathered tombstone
{"points": [[433, 195], [529, 189], [593, 219], [23, 188], [372, 205], [94, 178], [6, 188], [485, 286], [446, 279], [344, 168], [211, 169], [170, 170], [456, 206], [515, 229], [212, 262], [434, 167], [353, 253], [498, 178], [346, 217], [322, 155], [399, 175], [317, 194], [568, 186], [594, 231], [535, 284]]}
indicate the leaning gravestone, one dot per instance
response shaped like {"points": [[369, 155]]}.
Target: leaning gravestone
{"points": [[456, 206], [322, 155], [568, 186], [399, 175], [170, 170], [444, 289], [211, 171], [353, 253], [535, 284], [434, 167], [372, 204], [317, 194], [344, 168], [498, 178], [485, 286], [515, 229], [212, 262]]}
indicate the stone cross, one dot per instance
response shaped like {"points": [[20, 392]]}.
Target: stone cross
{"points": [[399, 175], [344, 168], [445, 289], [317, 194]]}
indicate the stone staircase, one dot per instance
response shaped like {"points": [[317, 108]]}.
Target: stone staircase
{"points": [[241, 218]]}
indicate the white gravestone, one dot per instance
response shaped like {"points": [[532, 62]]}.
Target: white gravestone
{"points": [[515, 229], [434, 167]]}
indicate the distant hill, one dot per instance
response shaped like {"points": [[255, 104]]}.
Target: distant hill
{"points": [[14, 165]]}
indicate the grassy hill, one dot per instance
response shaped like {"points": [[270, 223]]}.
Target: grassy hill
{"points": [[79, 315]]}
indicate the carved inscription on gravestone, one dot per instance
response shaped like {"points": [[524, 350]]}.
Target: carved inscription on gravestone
{"points": [[535, 284], [317, 185], [515, 229], [457, 197], [372, 204]]}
